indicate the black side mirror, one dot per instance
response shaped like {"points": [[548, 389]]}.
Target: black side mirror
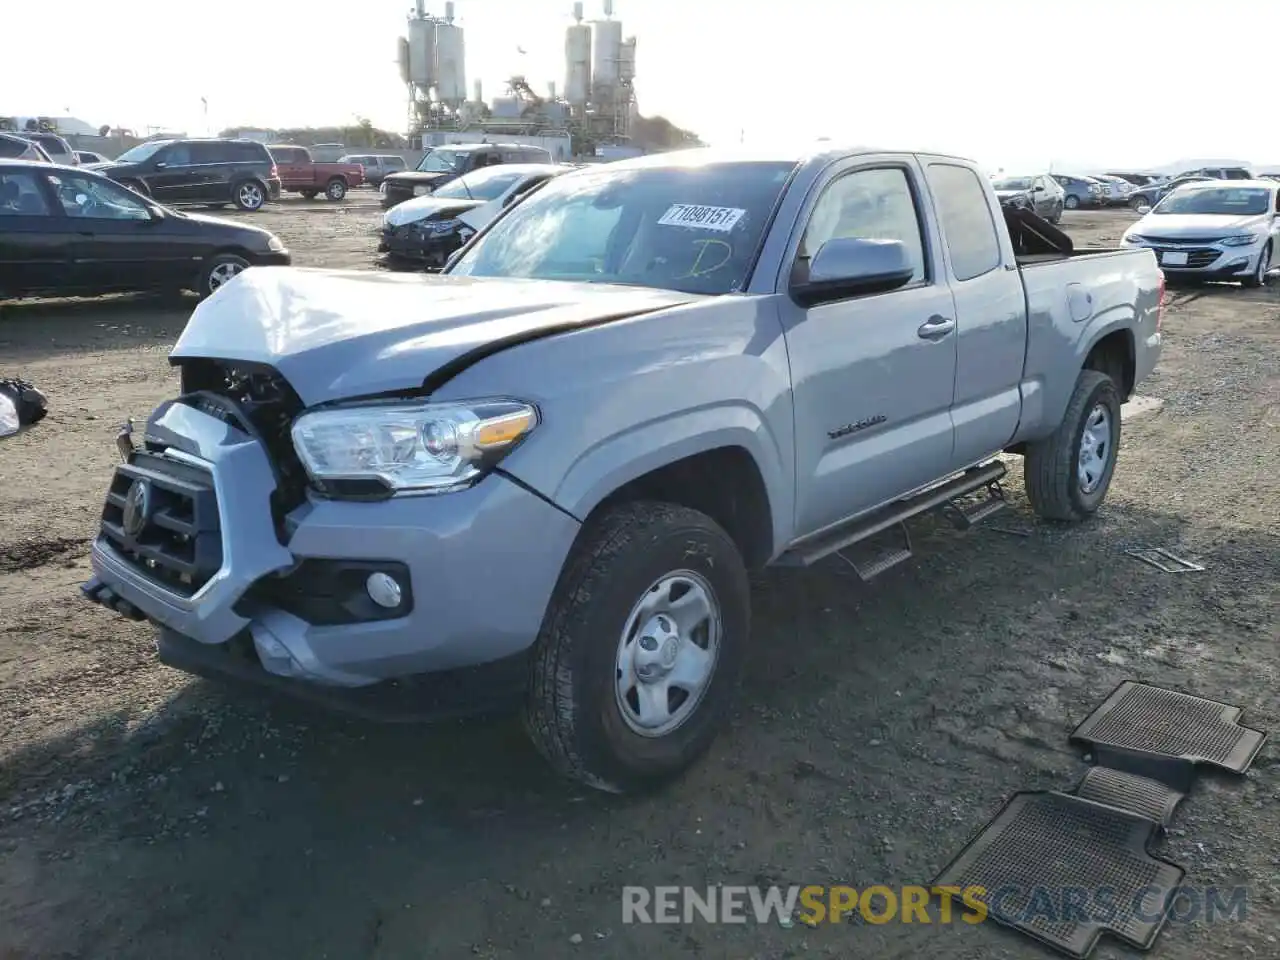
{"points": [[846, 267]]}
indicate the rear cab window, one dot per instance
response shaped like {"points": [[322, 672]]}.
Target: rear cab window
{"points": [[968, 226]]}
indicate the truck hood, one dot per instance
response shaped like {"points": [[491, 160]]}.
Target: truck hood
{"points": [[338, 335], [1172, 226]]}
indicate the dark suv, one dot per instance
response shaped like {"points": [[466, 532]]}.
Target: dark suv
{"points": [[450, 161], [209, 172]]}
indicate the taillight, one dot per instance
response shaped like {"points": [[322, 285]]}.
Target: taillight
{"points": [[1160, 305]]}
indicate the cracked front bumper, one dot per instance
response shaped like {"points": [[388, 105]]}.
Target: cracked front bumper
{"points": [[482, 564]]}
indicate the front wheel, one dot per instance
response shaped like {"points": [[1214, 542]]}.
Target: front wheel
{"points": [[249, 196], [1136, 202], [1259, 276], [220, 270], [336, 189], [1067, 474], [641, 648]]}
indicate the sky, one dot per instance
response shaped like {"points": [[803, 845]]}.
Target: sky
{"points": [[1025, 85]]}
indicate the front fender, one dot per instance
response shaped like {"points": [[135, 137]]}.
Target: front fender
{"points": [[649, 446]]}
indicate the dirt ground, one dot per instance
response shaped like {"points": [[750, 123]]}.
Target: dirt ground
{"points": [[145, 814]]}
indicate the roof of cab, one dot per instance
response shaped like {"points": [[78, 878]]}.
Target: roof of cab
{"points": [[822, 150]]}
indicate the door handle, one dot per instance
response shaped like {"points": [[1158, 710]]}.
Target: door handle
{"points": [[936, 327]]}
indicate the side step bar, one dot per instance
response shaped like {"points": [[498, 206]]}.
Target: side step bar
{"points": [[834, 541]]}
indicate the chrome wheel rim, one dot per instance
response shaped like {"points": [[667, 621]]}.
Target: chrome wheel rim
{"points": [[1095, 449], [337, 191], [667, 654], [224, 272], [251, 196]]}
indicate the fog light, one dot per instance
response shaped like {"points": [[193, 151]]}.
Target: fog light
{"points": [[383, 590]]}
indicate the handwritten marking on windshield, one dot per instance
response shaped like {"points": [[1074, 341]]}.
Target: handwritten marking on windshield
{"points": [[698, 270]]}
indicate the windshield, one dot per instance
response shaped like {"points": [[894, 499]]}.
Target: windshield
{"points": [[440, 161], [486, 184], [1014, 183], [142, 151], [1226, 201], [695, 229]]}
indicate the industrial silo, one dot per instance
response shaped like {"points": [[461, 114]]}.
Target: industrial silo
{"points": [[402, 58], [606, 42], [451, 67], [577, 59], [422, 53]]}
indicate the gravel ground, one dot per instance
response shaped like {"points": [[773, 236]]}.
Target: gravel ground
{"points": [[146, 814]]}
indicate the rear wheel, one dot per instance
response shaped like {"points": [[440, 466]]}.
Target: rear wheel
{"points": [[249, 195], [336, 189], [1071, 202], [640, 651], [220, 270], [1067, 474], [1259, 275]]}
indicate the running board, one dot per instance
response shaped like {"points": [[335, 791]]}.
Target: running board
{"points": [[864, 528]]}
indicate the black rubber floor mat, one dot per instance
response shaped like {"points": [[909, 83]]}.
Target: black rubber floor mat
{"points": [[1166, 723], [1044, 861], [1128, 791]]}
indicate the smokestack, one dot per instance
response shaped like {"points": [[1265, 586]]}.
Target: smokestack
{"points": [[608, 8], [478, 92], [448, 12]]}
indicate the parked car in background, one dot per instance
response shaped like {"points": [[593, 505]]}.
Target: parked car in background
{"points": [[328, 152], [212, 172], [1214, 230], [1216, 173], [427, 230], [1040, 193], [13, 147], [58, 149], [1080, 191], [540, 478], [300, 174], [88, 156], [1118, 188], [68, 231], [1152, 194], [377, 166], [442, 164], [1137, 179]]}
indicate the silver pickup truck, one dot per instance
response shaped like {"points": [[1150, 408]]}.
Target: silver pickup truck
{"points": [[542, 476]]}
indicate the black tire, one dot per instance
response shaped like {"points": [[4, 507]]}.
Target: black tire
{"points": [[1056, 217], [220, 268], [336, 189], [573, 713], [248, 195], [1259, 276], [1051, 466], [308, 194], [1136, 202], [1072, 202]]}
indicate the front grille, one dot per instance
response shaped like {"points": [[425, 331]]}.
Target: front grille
{"points": [[258, 400], [1193, 241], [1196, 259], [162, 517]]}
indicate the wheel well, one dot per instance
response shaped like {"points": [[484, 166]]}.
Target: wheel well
{"points": [[1113, 355], [725, 484]]}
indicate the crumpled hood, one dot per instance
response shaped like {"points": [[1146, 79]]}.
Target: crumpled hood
{"points": [[419, 208], [339, 334], [1175, 225], [1007, 194]]}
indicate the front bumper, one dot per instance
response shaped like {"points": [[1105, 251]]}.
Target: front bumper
{"points": [[407, 243], [1207, 260], [482, 564]]}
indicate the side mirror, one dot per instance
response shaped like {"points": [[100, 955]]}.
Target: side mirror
{"points": [[846, 267]]}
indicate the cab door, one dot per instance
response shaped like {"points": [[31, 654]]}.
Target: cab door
{"points": [[174, 177], [872, 374]]}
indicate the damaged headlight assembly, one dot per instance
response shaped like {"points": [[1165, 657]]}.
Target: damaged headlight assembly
{"points": [[377, 450]]}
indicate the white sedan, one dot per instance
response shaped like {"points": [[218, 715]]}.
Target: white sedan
{"points": [[1215, 229]]}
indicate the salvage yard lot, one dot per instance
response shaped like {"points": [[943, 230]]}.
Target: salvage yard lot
{"points": [[147, 814]]}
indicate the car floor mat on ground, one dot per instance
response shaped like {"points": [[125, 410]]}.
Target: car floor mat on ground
{"points": [[1140, 718], [1128, 791], [1045, 860]]}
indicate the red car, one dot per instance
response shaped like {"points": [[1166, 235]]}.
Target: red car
{"points": [[300, 174]]}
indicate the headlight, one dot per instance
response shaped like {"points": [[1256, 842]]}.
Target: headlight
{"points": [[421, 190], [275, 245], [1128, 239], [1241, 241], [384, 449], [439, 226]]}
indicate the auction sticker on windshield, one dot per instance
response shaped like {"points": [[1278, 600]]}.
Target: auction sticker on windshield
{"points": [[705, 218]]}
